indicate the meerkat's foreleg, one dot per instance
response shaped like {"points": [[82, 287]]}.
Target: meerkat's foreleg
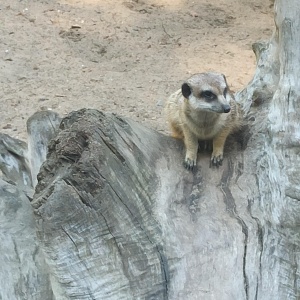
{"points": [[176, 131], [218, 148], [191, 145]]}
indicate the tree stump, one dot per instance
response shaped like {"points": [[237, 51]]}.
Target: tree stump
{"points": [[120, 218]]}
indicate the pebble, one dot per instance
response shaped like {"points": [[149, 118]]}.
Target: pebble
{"points": [[7, 126]]}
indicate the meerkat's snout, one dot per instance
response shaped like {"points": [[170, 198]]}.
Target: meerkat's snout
{"points": [[225, 105], [226, 108]]}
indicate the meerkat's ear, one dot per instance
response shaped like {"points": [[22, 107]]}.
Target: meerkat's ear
{"points": [[186, 90], [225, 80]]}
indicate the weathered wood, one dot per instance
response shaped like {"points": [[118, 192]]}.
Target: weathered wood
{"points": [[41, 128], [23, 273], [13, 162], [20, 162], [272, 156], [120, 218]]}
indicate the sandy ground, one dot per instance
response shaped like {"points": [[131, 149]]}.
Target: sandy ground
{"points": [[125, 57]]}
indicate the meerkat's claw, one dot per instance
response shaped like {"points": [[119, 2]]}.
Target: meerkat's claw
{"points": [[216, 161], [189, 164]]}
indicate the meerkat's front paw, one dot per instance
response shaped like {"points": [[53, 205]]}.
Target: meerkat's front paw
{"points": [[190, 164], [216, 160]]}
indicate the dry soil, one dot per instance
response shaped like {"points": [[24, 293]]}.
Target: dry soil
{"points": [[120, 56]]}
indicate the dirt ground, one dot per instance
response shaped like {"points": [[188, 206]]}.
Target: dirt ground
{"points": [[120, 56]]}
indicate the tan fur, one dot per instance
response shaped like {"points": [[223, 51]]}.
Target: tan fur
{"points": [[194, 118]]}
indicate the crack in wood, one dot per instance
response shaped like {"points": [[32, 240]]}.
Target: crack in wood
{"points": [[84, 201], [260, 234], [231, 208], [111, 147], [71, 239], [89, 292], [126, 142], [116, 243]]}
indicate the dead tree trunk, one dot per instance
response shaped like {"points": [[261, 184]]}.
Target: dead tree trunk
{"points": [[118, 217], [272, 157]]}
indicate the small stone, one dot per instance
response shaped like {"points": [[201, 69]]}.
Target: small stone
{"points": [[75, 26], [160, 102], [7, 126], [193, 14]]}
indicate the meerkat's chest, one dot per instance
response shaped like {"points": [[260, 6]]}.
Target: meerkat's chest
{"points": [[206, 126]]}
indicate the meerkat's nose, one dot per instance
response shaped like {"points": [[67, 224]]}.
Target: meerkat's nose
{"points": [[226, 108]]}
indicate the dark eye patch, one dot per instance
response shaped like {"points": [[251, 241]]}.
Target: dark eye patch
{"points": [[225, 91], [208, 95]]}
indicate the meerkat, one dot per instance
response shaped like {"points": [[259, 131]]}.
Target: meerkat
{"points": [[203, 109]]}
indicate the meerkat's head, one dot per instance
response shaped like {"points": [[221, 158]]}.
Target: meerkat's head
{"points": [[207, 92]]}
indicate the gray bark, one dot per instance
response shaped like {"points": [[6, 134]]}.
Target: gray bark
{"points": [[118, 217], [41, 128], [272, 157], [23, 273]]}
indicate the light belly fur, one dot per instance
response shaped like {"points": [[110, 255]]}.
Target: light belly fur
{"points": [[206, 126]]}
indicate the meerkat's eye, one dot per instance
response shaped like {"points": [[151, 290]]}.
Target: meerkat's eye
{"points": [[208, 95], [225, 92]]}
